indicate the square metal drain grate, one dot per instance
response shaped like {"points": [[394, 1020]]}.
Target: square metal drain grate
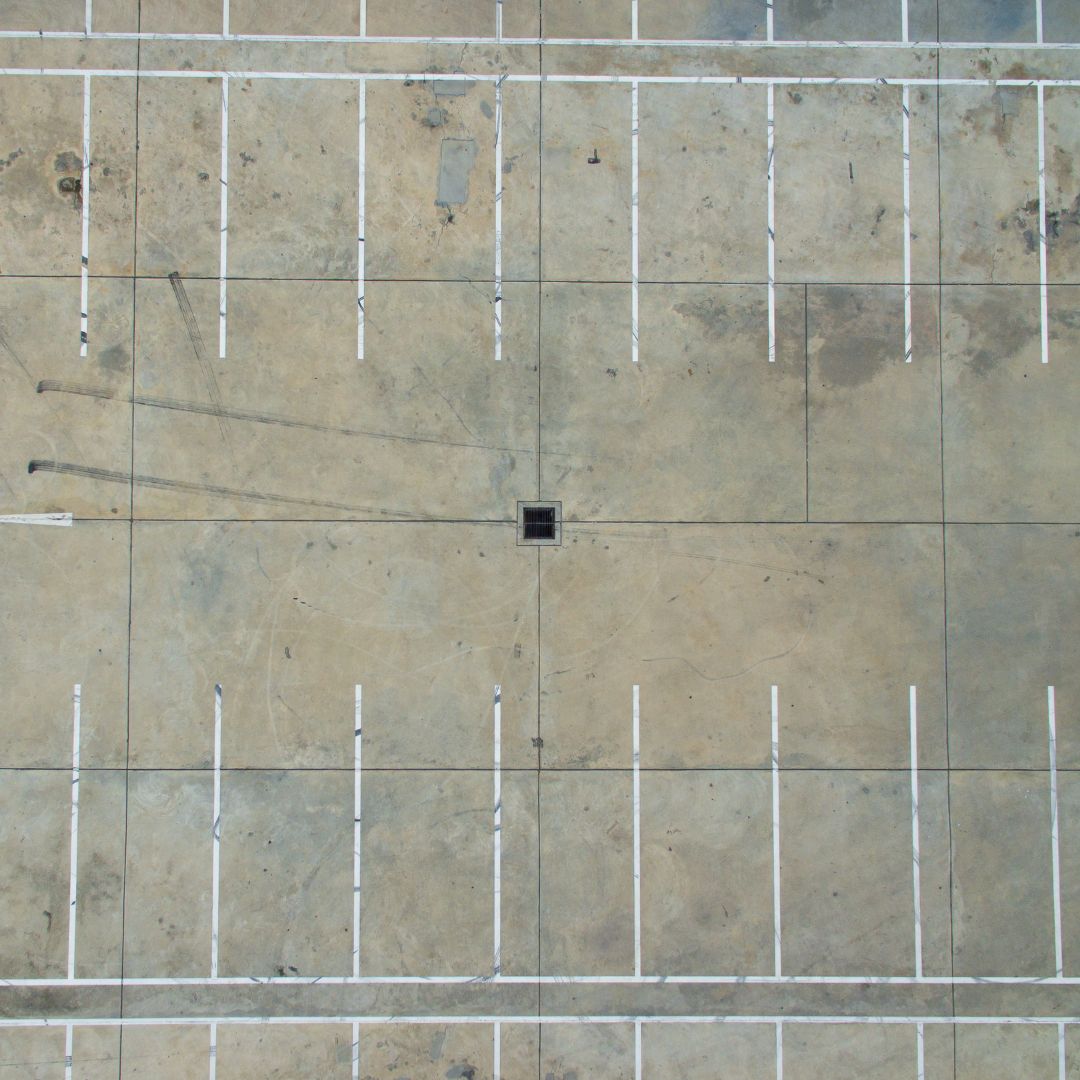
{"points": [[539, 523]]}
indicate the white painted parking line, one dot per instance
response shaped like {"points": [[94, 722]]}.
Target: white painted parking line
{"points": [[555, 980], [637, 1050], [1055, 840], [225, 18], [770, 179], [215, 882], [905, 106], [357, 815], [73, 877], [84, 201], [497, 833], [1062, 1063], [361, 212], [770, 33], [443, 1020], [223, 261], [212, 1068], [916, 877], [498, 305], [363, 37], [636, 797], [1044, 297], [496, 1050], [777, 957], [69, 1050], [1038, 22], [634, 258], [356, 1052], [36, 519], [480, 77], [779, 1050]]}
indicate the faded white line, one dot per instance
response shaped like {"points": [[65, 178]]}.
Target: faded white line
{"points": [[779, 1050], [1055, 842], [225, 18], [357, 825], [496, 1050], [770, 173], [634, 36], [88, 18], [1062, 1064], [84, 197], [361, 212], [637, 1050], [920, 1052], [356, 1051], [775, 694], [499, 20], [915, 871], [36, 519], [769, 30], [223, 260], [498, 217], [1044, 292], [212, 1070], [905, 106], [1038, 22], [905, 32], [215, 885], [634, 260], [637, 827], [497, 854], [69, 1050], [363, 21], [73, 878]]}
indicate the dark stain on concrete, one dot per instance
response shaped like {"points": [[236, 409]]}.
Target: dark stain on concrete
{"points": [[858, 334], [1063, 226], [996, 116], [68, 162], [114, 358], [712, 315], [11, 158], [997, 333]]}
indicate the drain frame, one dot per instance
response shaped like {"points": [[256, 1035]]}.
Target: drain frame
{"points": [[533, 530]]}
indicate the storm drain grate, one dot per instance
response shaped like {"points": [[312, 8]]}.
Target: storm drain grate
{"points": [[539, 523]]}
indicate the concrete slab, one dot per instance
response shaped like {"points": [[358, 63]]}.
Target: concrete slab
{"points": [[706, 864], [837, 20], [1002, 918], [703, 205], [843, 142], [685, 417], [989, 185], [702, 20]]}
